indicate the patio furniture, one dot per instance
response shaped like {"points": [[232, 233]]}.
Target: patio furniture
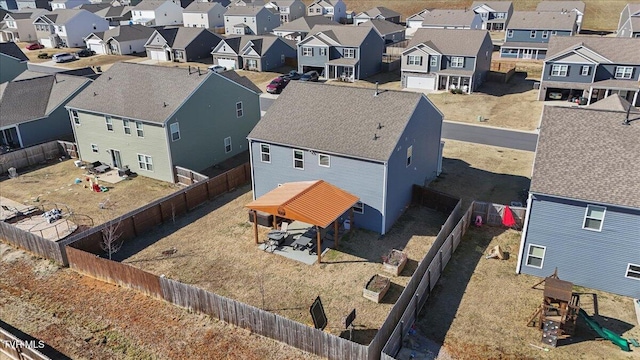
{"points": [[305, 240], [102, 168], [274, 239]]}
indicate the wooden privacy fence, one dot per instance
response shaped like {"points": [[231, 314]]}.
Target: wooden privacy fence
{"points": [[20, 349], [187, 177], [33, 243], [35, 155], [433, 264], [492, 214]]}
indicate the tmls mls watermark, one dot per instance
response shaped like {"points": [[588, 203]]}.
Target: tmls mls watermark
{"points": [[16, 344]]}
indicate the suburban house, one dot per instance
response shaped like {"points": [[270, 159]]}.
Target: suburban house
{"points": [[380, 13], [528, 33], [564, 7], [67, 4], [253, 52], [584, 220], [452, 19], [151, 118], [299, 28], [33, 4], [494, 14], [181, 44], [67, 27], [289, 9], [442, 59], [123, 2], [390, 32], [204, 15], [415, 21], [120, 40], [157, 13], [32, 108], [591, 68], [8, 5], [335, 10], [629, 24], [250, 20], [341, 52], [18, 26], [12, 61], [115, 15], [376, 147]]}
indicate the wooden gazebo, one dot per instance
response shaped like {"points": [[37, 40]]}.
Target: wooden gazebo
{"points": [[314, 202]]}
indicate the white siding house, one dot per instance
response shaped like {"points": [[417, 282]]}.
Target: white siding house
{"points": [[67, 28], [157, 13], [204, 14]]}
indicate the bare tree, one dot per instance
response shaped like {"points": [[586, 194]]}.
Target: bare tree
{"points": [[110, 237]]}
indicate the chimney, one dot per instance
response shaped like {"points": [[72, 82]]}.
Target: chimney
{"points": [[376, 93]]}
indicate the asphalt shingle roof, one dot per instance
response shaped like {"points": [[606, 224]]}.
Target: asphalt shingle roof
{"points": [[250, 10], [538, 20], [149, 4], [305, 23], [61, 16], [382, 11], [180, 37], [12, 50], [498, 6], [383, 27], [589, 155], [609, 47], [449, 17], [345, 35], [614, 103], [199, 7], [451, 41], [560, 6], [349, 130], [128, 32]]}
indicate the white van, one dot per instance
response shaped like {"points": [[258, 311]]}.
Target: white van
{"points": [[62, 57]]}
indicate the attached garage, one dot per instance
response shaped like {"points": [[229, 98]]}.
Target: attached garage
{"points": [[228, 63], [96, 47], [417, 82], [159, 55], [46, 43]]}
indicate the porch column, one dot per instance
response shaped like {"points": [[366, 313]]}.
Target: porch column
{"points": [[255, 225], [606, 93], [336, 236], [275, 222], [635, 98], [537, 54], [518, 56], [448, 82], [19, 137], [351, 220], [319, 248], [590, 94]]}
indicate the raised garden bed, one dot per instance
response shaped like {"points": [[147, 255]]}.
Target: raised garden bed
{"points": [[394, 262], [376, 288]]}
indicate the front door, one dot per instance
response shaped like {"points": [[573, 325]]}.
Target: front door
{"points": [[527, 53], [115, 159]]}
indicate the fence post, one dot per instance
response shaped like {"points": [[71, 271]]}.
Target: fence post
{"points": [[186, 204]]}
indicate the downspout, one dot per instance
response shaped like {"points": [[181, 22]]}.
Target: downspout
{"points": [[19, 137], [523, 237], [384, 198], [167, 135], [253, 184], [75, 136]]}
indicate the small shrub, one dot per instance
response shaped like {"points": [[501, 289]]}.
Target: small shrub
{"points": [[43, 56], [457, 91]]}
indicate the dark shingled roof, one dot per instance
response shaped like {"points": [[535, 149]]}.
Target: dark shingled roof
{"points": [[451, 41], [349, 130], [534, 20], [12, 50], [589, 155], [609, 47]]}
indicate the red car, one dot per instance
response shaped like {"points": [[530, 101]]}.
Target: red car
{"points": [[277, 85], [35, 46]]}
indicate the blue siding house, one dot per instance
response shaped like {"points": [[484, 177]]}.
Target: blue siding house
{"points": [[441, 59], [253, 52], [528, 33], [341, 52], [376, 146], [583, 211], [591, 67], [494, 14]]}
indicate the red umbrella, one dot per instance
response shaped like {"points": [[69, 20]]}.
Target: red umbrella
{"points": [[508, 220]]}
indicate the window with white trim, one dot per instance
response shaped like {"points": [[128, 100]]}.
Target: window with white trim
{"points": [[175, 131], [594, 217], [633, 271], [323, 51], [499, 15], [624, 72], [457, 61], [509, 33], [433, 60], [126, 126], [265, 153], [545, 34], [414, 60], [349, 53], [533, 34], [94, 148], [324, 160], [358, 208], [75, 117], [307, 51], [585, 70], [554, 32], [139, 129], [145, 162], [559, 70], [535, 255], [298, 159], [227, 145], [239, 109], [409, 155], [109, 121]]}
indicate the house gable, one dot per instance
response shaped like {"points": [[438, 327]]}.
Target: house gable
{"points": [[156, 40], [223, 48]]}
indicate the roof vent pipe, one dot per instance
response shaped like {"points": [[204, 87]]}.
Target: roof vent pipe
{"points": [[376, 93]]}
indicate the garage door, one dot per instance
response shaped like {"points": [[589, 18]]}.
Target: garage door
{"points": [[97, 48], [427, 83], [158, 55], [228, 63], [46, 42]]}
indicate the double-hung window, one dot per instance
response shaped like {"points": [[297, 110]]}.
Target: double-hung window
{"points": [[509, 33], [358, 208], [349, 53], [139, 129], [227, 145], [545, 34], [594, 217], [307, 51], [94, 148], [323, 51], [324, 160], [559, 70], [175, 131], [265, 153], [535, 255], [298, 159], [585, 70], [533, 34], [457, 61], [75, 117], [433, 61], [109, 121], [624, 72], [145, 162], [633, 271], [126, 126], [414, 60]]}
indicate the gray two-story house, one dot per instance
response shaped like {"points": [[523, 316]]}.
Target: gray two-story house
{"points": [[583, 211], [341, 52], [152, 118], [289, 9], [379, 13], [629, 24], [254, 53], [250, 20], [299, 28], [592, 68], [12, 61], [528, 33], [564, 6], [18, 26], [494, 14], [452, 19], [442, 59], [181, 44], [375, 145]]}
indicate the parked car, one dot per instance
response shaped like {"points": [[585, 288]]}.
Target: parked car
{"points": [[217, 68], [35, 46], [277, 85], [85, 53], [293, 75], [63, 57], [310, 76]]}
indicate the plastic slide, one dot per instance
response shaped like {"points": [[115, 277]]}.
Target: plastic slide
{"points": [[604, 332]]}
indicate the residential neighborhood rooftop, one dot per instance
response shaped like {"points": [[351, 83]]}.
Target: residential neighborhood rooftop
{"points": [[250, 10], [381, 11], [198, 7], [149, 4], [344, 35], [560, 6], [613, 103], [450, 41], [261, 43], [588, 154], [12, 50], [498, 6], [609, 47], [61, 16], [305, 23], [383, 26], [538, 20], [352, 130], [180, 37], [449, 17]]}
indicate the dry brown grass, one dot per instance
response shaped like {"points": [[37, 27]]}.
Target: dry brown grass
{"points": [[216, 251], [483, 173], [54, 184], [480, 308]]}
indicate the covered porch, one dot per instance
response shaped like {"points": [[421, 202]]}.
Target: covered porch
{"points": [[627, 90], [344, 69], [317, 205], [456, 79]]}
